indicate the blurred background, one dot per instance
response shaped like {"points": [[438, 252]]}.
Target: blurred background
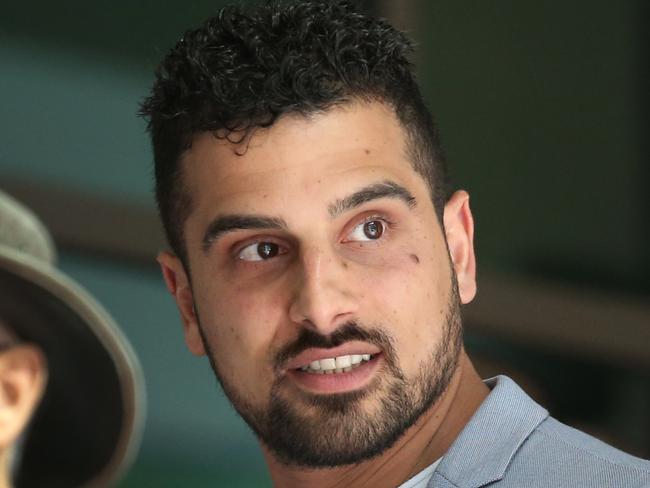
{"points": [[543, 108]]}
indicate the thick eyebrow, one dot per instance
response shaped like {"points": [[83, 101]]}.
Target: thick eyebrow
{"points": [[229, 223], [385, 189]]}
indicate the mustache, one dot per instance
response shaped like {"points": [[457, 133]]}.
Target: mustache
{"points": [[350, 331]]}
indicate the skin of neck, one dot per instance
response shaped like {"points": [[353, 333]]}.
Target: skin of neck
{"points": [[422, 444], [5, 457]]}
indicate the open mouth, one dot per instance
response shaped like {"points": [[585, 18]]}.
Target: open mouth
{"points": [[337, 365], [334, 371]]}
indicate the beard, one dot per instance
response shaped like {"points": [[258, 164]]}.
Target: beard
{"points": [[320, 431]]}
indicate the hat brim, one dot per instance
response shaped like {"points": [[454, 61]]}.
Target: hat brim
{"points": [[88, 425]]}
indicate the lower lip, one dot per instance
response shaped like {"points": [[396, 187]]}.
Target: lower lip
{"points": [[337, 382]]}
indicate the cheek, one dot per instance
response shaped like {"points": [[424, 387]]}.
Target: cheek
{"points": [[408, 296], [418, 270], [240, 327], [395, 288]]}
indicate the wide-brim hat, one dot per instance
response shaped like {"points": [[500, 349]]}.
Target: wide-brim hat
{"points": [[88, 425]]}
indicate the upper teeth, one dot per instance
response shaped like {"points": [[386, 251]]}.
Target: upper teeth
{"points": [[336, 365]]}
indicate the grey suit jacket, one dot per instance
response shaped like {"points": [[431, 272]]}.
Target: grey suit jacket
{"points": [[513, 442]]}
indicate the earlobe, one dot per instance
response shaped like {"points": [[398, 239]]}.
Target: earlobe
{"points": [[23, 376], [459, 231], [178, 284]]}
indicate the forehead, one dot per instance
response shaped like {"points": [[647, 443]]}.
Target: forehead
{"points": [[298, 158]]}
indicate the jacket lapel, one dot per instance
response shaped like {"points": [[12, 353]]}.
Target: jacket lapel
{"points": [[483, 450]]}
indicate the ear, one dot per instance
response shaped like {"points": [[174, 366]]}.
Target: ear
{"points": [[459, 230], [179, 286], [23, 376]]}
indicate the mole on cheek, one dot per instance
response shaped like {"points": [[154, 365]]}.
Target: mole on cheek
{"points": [[234, 334], [415, 259], [367, 151]]}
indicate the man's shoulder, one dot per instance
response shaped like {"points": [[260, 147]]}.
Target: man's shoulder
{"points": [[511, 441], [589, 448], [557, 451]]}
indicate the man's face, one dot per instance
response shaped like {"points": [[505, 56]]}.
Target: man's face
{"points": [[321, 284]]}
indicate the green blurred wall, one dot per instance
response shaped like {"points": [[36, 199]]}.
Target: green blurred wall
{"points": [[544, 114]]}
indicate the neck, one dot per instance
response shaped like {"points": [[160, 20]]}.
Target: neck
{"points": [[5, 458], [424, 442]]}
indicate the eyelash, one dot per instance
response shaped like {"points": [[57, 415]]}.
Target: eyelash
{"points": [[381, 218]]}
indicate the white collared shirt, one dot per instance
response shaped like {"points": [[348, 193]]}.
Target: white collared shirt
{"points": [[421, 479]]}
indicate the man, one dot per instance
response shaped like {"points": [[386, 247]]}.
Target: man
{"points": [[319, 263], [71, 393]]}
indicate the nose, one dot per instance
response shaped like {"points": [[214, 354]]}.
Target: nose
{"points": [[324, 299]]}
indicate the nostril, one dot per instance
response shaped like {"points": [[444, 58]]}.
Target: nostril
{"points": [[308, 324]]}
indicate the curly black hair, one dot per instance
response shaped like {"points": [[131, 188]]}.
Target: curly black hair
{"points": [[245, 67]]}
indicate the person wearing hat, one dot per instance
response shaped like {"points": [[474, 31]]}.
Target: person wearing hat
{"points": [[71, 389]]}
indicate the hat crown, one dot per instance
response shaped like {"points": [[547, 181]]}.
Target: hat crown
{"points": [[23, 231]]}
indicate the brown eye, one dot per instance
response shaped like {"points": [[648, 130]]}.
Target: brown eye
{"points": [[267, 250], [373, 229], [259, 251]]}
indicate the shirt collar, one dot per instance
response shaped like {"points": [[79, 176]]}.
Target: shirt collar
{"points": [[483, 450]]}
